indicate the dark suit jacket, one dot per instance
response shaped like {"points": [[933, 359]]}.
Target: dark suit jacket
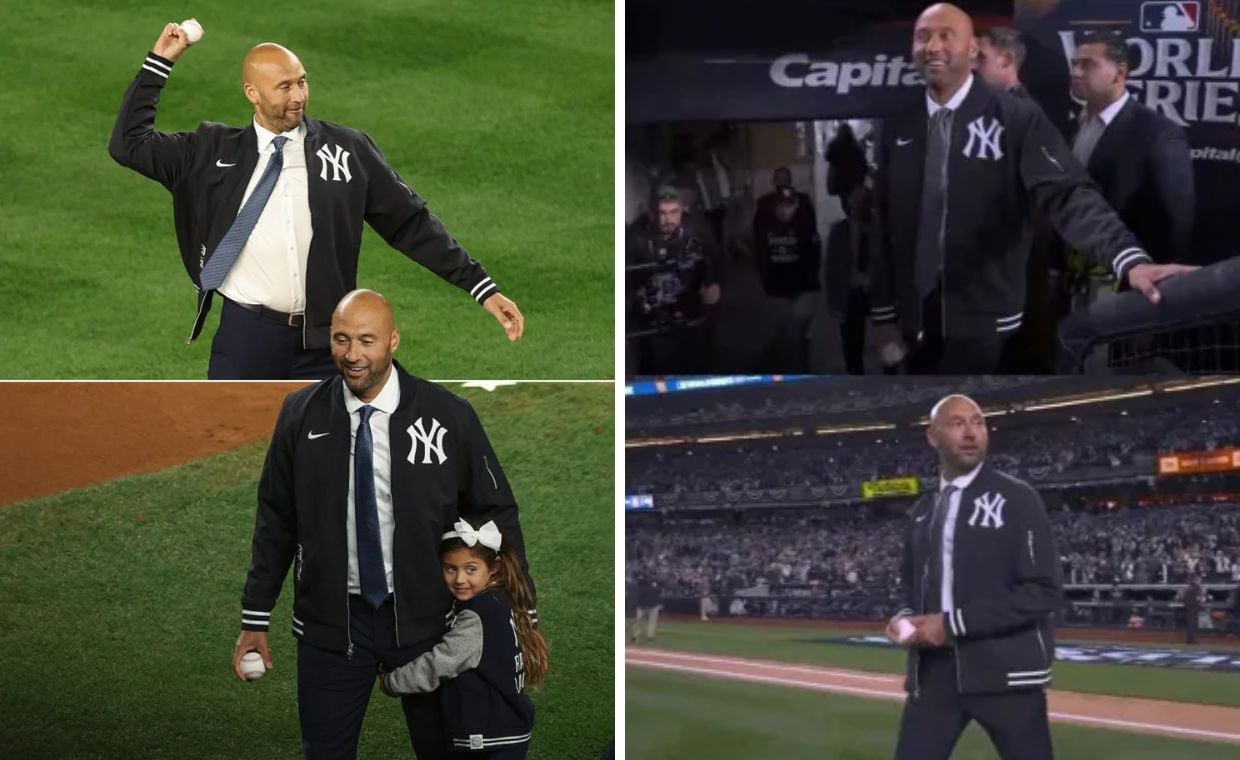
{"points": [[1141, 164]]}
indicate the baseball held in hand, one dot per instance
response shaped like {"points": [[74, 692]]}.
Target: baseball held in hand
{"points": [[193, 32], [252, 666], [904, 632]]}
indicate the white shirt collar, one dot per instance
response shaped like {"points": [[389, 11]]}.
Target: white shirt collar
{"points": [[1110, 112], [961, 481], [954, 103], [387, 400], [265, 136]]}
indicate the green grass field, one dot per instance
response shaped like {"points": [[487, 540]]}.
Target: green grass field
{"points": [[500, 117], [119, 603], [673, 715]]}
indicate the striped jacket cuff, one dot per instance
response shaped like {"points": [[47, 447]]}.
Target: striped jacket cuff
{"points": [[955, 622], [883, 314], [255, 620], [157, 65], [1127, 259], [483, 289]]}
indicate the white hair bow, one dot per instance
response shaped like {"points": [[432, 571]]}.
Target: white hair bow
{"points": [[488, 535]]}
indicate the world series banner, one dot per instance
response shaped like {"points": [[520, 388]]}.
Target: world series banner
{"points": [[1188, 463], [1185, 65], [878, 489]]}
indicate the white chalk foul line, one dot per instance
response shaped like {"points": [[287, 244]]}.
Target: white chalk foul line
{"points": [[1139, 726], [691, 658], [638, 659]]}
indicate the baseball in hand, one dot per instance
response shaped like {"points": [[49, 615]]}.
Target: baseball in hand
{"points": [[252, 666], [192, 29], [904, 632]]}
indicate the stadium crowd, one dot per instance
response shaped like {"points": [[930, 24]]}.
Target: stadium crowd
{"points": [[847, 559], [1032, 450]]}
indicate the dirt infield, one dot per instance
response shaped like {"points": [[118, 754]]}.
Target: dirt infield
{"points": [[60, 436], [1177, 719]]}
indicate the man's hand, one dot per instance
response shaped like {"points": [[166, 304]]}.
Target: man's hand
{"points": [[893, 633], [931, 632], [251, 641], [507, 314], [172, 42], [710, 294], [1143, 276], [889, 342]]}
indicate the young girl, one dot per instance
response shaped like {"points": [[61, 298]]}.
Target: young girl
{"points": [[489, 653]]}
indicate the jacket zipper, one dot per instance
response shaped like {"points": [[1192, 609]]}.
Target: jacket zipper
{"points": [[395, 600], [943, 234]]}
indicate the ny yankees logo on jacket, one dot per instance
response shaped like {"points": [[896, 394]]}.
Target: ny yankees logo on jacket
{"points": [[431, 440], [339, 162], [986, 137]]}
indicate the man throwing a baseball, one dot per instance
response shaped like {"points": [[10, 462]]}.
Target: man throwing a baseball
{"points": [[981, 578], [270, 215]]}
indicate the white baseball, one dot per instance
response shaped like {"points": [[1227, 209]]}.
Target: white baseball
{"points": [[252, 666], [192, 29], [904, 630]]}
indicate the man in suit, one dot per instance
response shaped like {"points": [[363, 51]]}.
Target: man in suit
{"points": [[981, 578], [1000, 56], [958, 174], [364, 474], [270, 215], [1139, 158]]}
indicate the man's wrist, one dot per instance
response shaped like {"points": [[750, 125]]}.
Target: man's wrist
{"points": [[158, 65]]}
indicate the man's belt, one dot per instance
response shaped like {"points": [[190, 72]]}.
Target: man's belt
{"points": [[271, 315]]}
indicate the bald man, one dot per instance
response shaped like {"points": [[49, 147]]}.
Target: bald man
{"points": [[958, 175], [269, 215], [367, 588], [981, 578]]}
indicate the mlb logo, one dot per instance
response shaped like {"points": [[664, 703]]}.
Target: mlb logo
{"points": [[1170, 17]]}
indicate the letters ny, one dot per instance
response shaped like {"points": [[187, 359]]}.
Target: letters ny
{"points": [[990, 508], [431, 440], [986, 138], [339, 163]]}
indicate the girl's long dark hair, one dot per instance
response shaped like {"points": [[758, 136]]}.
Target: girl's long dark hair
{"points": [[509, 577]]}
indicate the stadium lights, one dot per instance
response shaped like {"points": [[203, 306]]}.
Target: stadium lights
{"points": [[642, 442], [1195, 384], [745, 436], [854, 429], [1090, 400]]}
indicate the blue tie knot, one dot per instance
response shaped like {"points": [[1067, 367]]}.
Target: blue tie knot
{"points": [[366, 411], [279, 141]]}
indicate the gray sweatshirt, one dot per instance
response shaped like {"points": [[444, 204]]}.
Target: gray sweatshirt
{"points": [[459, 651]]}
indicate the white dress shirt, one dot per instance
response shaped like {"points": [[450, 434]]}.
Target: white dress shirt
{"points": [[955, 101], [1093, 127], [271, 269], [384, 404], [949, 533]]}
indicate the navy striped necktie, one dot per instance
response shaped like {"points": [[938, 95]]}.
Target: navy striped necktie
{"points": [[366, 514], [226, 253]]}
